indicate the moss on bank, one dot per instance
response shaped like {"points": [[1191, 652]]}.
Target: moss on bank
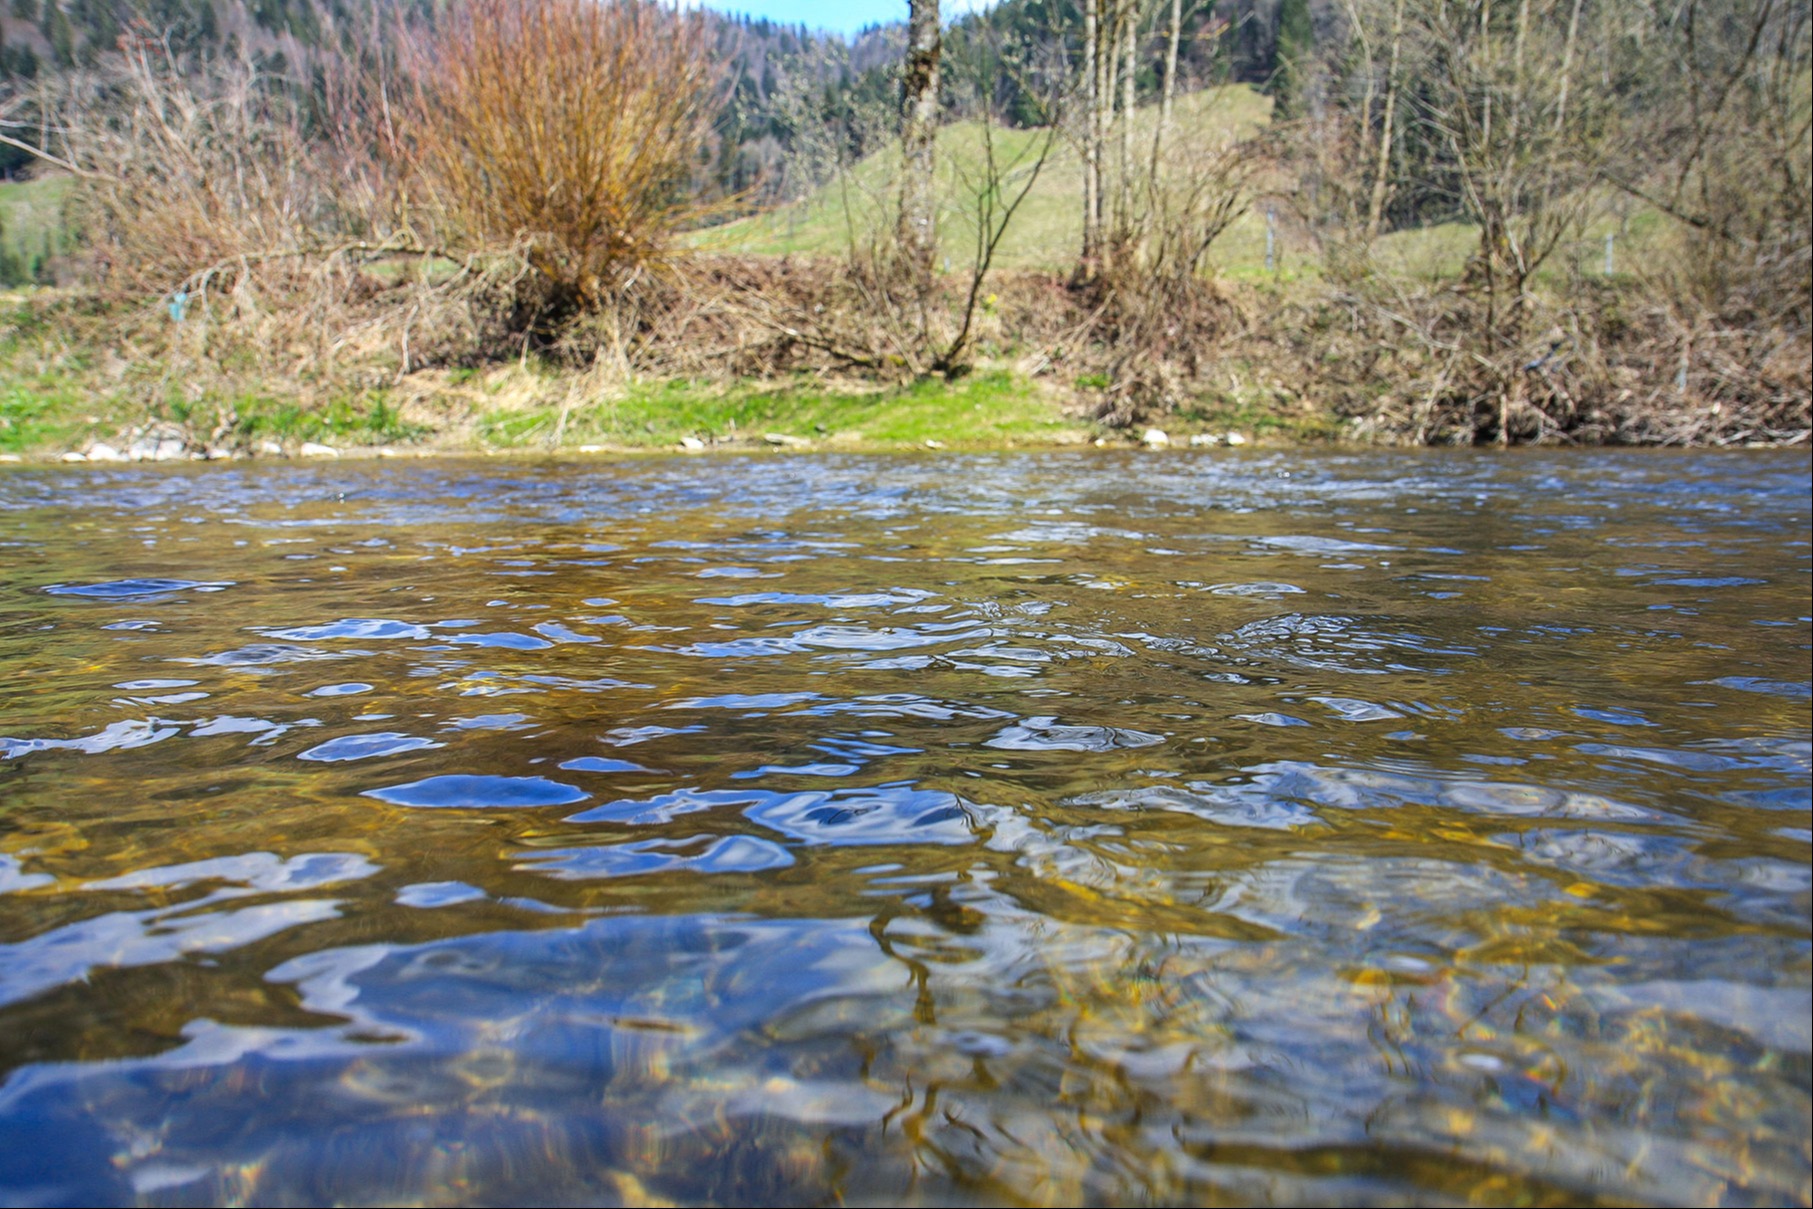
{"points": [[984, 410]]}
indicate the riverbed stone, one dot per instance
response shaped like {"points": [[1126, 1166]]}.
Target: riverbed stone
{"points": [[270, 449], [100, 451], [1235, 438], [691, 444], [314, 449], [73, 456], [1155, 438]]}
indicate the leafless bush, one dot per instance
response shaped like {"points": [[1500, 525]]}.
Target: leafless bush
{"points": [[185, 166], [570, 127]]}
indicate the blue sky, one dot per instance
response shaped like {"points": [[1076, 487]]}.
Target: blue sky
{"points": [[844, 16]]}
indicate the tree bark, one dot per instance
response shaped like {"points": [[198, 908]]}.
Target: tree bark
{"points": [[1375, 210], [1092, 159], [1123, 198], [1567, 67], [918, 231], [1173, 36]]}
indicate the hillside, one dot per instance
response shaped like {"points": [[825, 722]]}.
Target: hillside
{"points": [[1047, 230]]}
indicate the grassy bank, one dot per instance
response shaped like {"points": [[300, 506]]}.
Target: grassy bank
{"points": [[60, 395], [1272, 363]]}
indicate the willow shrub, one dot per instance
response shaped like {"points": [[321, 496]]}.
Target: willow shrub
{"points": [[571, 129]]}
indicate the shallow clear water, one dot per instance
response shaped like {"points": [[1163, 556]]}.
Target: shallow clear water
{"points": [[1034, 828]]}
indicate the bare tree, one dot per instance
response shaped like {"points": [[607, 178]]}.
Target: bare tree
{"points": [[918, 229], [1723, 147], [1091, 139]]}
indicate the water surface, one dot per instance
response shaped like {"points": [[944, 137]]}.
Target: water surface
{"points": [[1189, 828]]}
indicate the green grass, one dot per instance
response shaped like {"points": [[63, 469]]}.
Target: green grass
{"points": [[44, 397], [32, 229], [60, 389], [989, 409], [33, 417], [368, 421]]}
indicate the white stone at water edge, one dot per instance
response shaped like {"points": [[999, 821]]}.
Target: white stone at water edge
{"points": [[691, 443], [157, 449], [100, 451], [311, 449], [1155, 438]]}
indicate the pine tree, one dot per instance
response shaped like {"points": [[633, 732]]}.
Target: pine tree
{"points": [[1290, 58], [62, 38]]}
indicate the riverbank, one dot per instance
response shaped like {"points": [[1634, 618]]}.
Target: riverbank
{"points": [[514, 409], [85, 379]]}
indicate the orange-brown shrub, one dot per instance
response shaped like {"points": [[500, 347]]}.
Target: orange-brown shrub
{"points": [[570, 127]]}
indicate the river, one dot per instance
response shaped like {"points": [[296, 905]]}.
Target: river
{"points": [[1178, 827]]}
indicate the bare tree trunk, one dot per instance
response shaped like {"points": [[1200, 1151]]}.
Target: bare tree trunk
{"points": [[1517, 77], [1567, 67], [1375, 210], [1092, 148], [1359, 33], [1173, 35], [1123, 205], [918, 231], [1107, 61]]}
